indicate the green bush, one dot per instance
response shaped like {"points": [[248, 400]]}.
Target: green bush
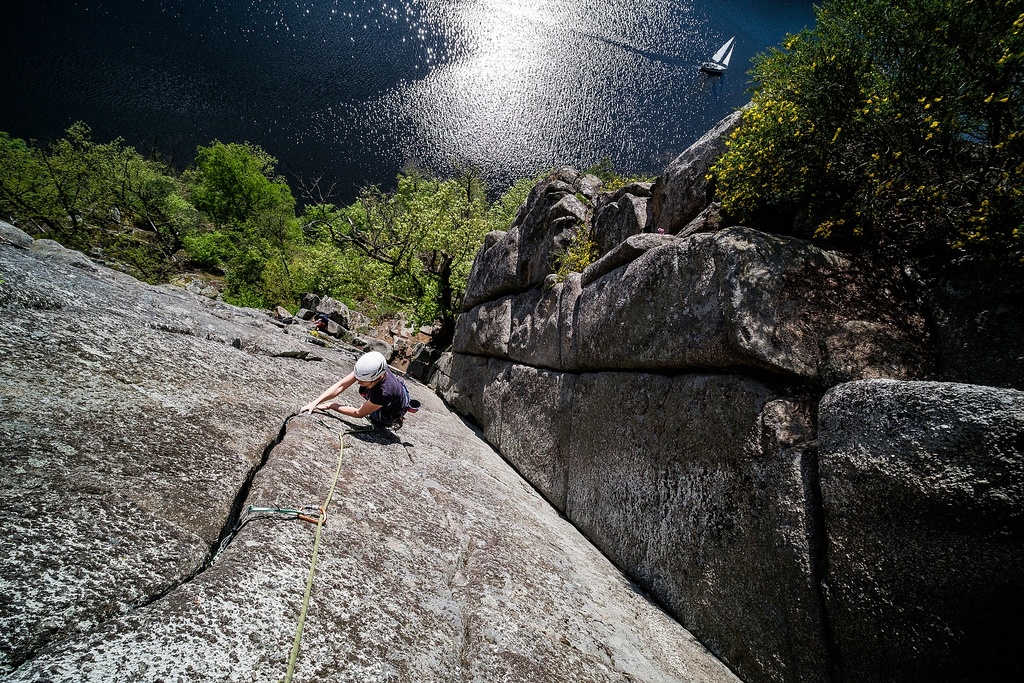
{"points": [[91, 195], [209, 250], [233, 183], [579, 253], [890, 124]]}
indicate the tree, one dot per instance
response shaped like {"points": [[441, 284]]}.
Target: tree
{"points": [[232, 183], [893, 123], [254, 229], [88, 194], [411, 250], [23, 183]]}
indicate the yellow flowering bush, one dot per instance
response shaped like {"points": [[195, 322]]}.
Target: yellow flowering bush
{"points": [[895, 122]]}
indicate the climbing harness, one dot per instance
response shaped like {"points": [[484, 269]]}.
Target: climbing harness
{"points": [[312, 564]]}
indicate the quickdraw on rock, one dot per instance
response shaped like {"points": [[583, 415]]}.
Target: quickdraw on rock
{"points": [[308, 513], [299, 514]]}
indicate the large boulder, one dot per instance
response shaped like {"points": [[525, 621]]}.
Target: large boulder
{"points": [[735, 298], [977, 312], [923, 490], [682, 190], [702, 488], [15, 236], [522, 257], [335, 311], [617, 219]]}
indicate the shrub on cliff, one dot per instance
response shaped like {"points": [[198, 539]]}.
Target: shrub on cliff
{"points": [[89, 195], [892, 123]]}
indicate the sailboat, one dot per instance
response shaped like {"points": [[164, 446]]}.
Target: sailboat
{"points": [[720, 61]]}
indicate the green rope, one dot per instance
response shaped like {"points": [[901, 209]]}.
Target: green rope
{"points": [[312, 566]]}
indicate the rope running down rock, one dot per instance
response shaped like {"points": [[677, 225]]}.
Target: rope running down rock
{"points": [[312, 564]]}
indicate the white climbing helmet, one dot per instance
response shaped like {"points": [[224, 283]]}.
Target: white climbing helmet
{"points": [[370, 366]]}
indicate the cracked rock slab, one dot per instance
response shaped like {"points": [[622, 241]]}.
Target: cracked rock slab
{"points": [[130, 422], [132, 426]]}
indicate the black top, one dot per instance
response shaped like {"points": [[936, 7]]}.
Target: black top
{"points": [[390, 394]]}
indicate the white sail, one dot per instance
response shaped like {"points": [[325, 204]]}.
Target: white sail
{"points": [[725, 62], [721, 51]]}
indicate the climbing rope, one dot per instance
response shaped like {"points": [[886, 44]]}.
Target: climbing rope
{"points": [[312, 564]]}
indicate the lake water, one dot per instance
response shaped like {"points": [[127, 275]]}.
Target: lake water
{"points": [[350, 90]]}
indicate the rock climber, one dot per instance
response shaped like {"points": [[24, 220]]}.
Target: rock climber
{"points": [[385, 396]]}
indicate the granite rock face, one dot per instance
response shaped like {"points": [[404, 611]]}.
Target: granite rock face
{"points": [[617, 219], [700, 487], [681, 192], [520, 259], [733, 299], [133, 416], [923, 492], [140, 422], [666, 399], [699, 490]]}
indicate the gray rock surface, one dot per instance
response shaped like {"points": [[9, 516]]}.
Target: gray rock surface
{"points": [[495, 268], [624, 252], [708, 220], [132, 417], [137, 418], [923, 489], [335, 311], [616, 220], [871, 350], [737, 298], [56, 252], [700, 486], [12, 235], [681, 191], [529, 327], [528, 416], [522, 257], [666, 400]]}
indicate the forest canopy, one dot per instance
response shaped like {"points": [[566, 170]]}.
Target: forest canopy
{"points": [[406, 251]]}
